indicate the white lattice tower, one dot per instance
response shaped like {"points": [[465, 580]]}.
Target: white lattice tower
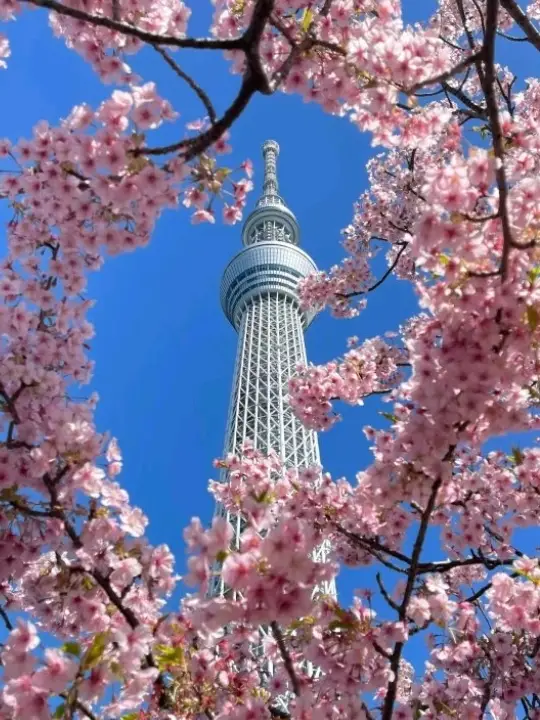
{"points": [[259, 295]]}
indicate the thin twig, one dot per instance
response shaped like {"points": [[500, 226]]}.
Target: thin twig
{"points": [[5, 618], [10, 402], [384, 592], [192, 147], [391, 693], [203, 97], [80, 706], [511, 37], [285, 656], [382, 279], [477, 110], [443, 77], [478, 594], [372, 543]]}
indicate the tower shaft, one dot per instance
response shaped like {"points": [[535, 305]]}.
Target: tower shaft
{"points": [[270, 346]]}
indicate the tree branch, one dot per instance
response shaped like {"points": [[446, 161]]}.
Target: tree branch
{"points": [[391, 693], [5, 618], [254, 80], [521, 19], [447, 565], [488, 81], [81, 707], [445, 75], [203, 97], [192, 147], [385, 594], [390, 270], [458, 93], [287, 661], [372, 543], [131, 30], [10, 402]]}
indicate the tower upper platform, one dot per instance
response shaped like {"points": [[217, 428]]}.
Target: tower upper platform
{"points": [[272, 220], [270, 260]]}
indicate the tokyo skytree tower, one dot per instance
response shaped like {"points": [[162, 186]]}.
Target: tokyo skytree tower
{"points": [[259, 295]]}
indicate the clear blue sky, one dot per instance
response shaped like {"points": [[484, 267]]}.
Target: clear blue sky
{"points": [[164, 351]]}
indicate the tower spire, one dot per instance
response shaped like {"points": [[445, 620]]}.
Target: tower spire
{"points": [[270, 154], [271, 220]]}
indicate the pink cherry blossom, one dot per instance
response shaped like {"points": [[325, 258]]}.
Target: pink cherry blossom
{"points": [[433, 519]]}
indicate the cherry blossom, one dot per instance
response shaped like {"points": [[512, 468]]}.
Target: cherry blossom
{"points": [[432, 525]]}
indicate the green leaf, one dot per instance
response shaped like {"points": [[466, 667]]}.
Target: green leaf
{"points": [[340, 625], [116, 669], [307, 19], [221, 556], [95, 652], [87, 583], [130, 716], [222, 173], [517, 456], [534, 273], [533, 318], [262, 497], [60, 710], [389, 416], [71, 648], [10, 493], [167, 656]]}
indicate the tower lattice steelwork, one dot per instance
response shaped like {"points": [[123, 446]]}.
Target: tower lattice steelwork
{"points": [[259, 295]]}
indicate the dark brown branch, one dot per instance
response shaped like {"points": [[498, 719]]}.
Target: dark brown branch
{"points": [[507, 95], [372, 543], [391, 693], [98, 576], [27, 510], [443, 77], [5, 618], [480, 15], [285, 656], [203, 97], [488, 82], [368, 714], [297, 51], [390, 270], [447, 565], [385, 594], [283, 29], [152, 38], [298, 48], [326, 8], [511, 37], [478, 594], [81, 707], [254, 80], [191, 147], [10, 402], [521, 19], [477, 110]]}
